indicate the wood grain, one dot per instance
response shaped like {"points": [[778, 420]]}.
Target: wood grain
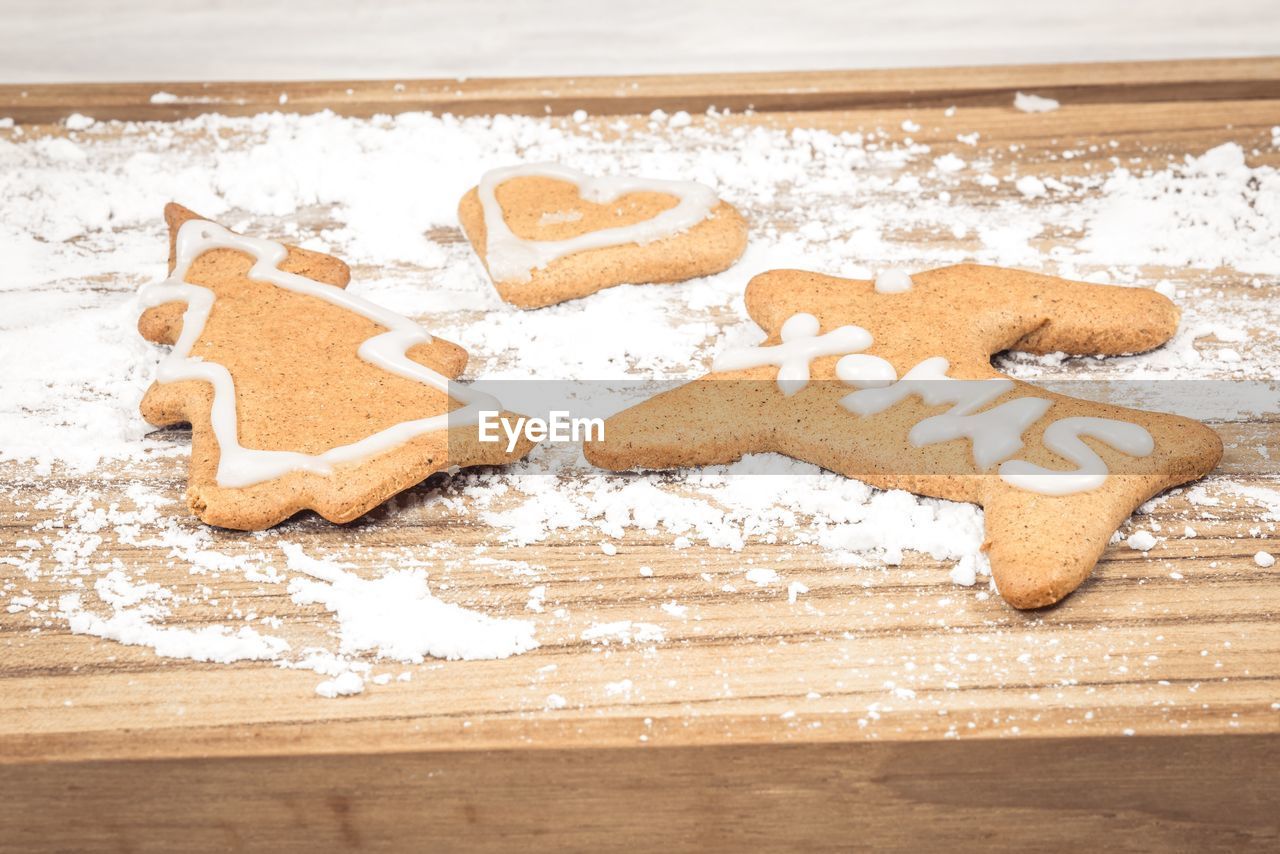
{"points": [[1094, 83], [1192, 793], [882, 709]]}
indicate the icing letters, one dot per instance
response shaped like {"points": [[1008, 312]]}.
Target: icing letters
{"points": [[995, 434], [1063, 438], [801, 344]]}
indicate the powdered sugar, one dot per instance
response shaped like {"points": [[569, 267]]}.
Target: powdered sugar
{"points": [[728, 506], [1034, 103], [391, 617], [396, 616], [1208, 211], [345, 684], [1142, 541], [215, 643], [80, 231]]}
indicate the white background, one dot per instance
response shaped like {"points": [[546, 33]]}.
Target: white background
{"points": [[67, 40]]}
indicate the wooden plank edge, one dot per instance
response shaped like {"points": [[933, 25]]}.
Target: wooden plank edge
{"points": [[1091, 83], [1200, 793]]}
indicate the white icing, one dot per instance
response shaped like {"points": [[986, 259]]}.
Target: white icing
{"points": [[929, 380], [865, 371], [1063, 438], [511, 258], [995, 434], [801, 344], [239, 466], [893, 282]]}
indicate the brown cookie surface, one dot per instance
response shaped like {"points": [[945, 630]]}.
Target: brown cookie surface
{"points": [[539, 209], [299, 385], [894, 416]]}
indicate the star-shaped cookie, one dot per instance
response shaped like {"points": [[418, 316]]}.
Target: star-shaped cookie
{"points": [[891, 382]]}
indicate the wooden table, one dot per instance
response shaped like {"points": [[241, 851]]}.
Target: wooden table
{"points": [[1140, 714]]}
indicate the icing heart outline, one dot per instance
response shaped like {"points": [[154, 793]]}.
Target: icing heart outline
{"points": [[512, 259]]}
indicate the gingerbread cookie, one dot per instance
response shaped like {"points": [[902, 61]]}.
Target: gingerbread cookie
{"points": [[891, 382], [547, 233], [299, 394]]}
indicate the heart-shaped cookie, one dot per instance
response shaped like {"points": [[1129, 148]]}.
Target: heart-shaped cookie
{"points": [[548, 233]]}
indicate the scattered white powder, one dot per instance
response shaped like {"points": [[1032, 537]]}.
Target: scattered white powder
{"points": [[1267, 499], [1264, 559], [396, 617], [1030, 186], [796, 589], [1206, 212], [620, 688], [77, 121], [967, 570], [624, 632], [1142, 541], [80, 230], [164, 98], [210, 643], [726, 506], [949, 162], [762, 577], [537, 597], [1034, 103], [1199, 496], [345, 685], [18, 604]]}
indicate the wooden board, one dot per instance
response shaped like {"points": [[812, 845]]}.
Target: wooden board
{"points": [[1099, 83], [759, 722]]}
